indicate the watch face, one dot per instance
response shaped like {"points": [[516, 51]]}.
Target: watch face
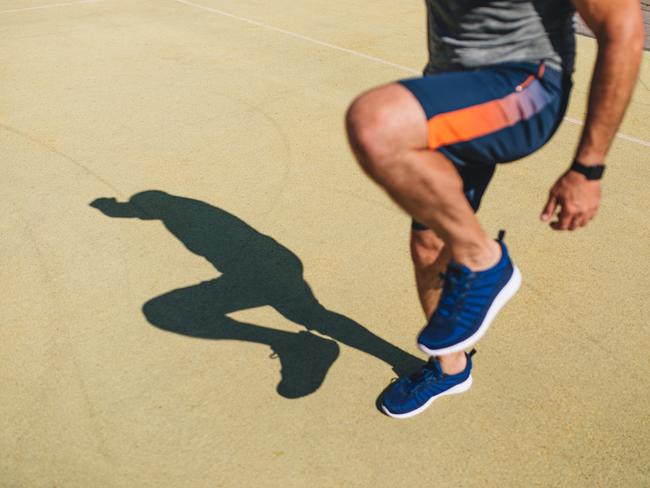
{"points": [[596, 172]]}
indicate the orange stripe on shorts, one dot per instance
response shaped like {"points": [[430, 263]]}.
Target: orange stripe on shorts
{"points": [[480, 120]]}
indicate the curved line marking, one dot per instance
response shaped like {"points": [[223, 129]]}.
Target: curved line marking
{"points": [[64, 156]]}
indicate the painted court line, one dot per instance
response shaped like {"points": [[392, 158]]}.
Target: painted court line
{"points": [[299, 36], [622, 136], [358, 54], [40, 7]]}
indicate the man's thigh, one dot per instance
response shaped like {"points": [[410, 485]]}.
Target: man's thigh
{"points": [[493, 115]]}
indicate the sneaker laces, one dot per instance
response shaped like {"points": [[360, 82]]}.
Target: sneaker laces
{"points": [[425, 375], [457, 281], [428, 373]]}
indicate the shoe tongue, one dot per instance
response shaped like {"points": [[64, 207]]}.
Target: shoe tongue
{"points": [[434, 364], [454, 267]]}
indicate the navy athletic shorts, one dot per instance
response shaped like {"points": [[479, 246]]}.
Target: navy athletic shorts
{"points": [[497, 114]]}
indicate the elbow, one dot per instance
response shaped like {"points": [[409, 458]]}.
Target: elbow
{"points": [[624, 31], [634, 37], [638, 42]]}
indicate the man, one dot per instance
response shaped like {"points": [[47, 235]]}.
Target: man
{"points": [[495, 90]]}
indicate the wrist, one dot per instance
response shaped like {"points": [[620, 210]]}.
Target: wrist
{"points": [[591, 172]]}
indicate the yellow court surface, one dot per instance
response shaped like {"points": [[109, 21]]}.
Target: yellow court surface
{"points": [[179, 207]]}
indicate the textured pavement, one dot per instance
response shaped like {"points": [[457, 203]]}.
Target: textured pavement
{"points": [[159, 339]]}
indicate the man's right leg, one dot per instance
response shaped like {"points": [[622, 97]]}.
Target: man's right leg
{"points": [[387, 129]]}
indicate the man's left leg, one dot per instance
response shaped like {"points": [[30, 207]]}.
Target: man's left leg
{"points": [[416, 138], [430, 259]]}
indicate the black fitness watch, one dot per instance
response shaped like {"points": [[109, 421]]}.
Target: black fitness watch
{"points": [[594, 172]]}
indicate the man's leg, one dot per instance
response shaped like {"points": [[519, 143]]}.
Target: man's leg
{"points": [[432, 144], [430, 258], [387, 129]]}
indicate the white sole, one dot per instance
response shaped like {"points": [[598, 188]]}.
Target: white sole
{"points": [[454, 390], [506, 293]]}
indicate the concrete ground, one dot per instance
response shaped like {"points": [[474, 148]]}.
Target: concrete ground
{"points": [[160, 343]]}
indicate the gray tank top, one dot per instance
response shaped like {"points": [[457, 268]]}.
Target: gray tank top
{"points": [[473, 33]]}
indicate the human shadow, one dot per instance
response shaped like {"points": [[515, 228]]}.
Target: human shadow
{"points": [[255, 270]]}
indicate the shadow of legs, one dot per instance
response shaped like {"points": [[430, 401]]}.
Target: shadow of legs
{"points": [[197, 311], [256, 270], [303, 308]]}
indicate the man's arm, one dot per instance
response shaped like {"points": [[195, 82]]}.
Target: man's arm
{"points": [[112, 208], [618, 27]]}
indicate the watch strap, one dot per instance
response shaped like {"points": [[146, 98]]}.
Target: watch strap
{"points": [[591, 172]]}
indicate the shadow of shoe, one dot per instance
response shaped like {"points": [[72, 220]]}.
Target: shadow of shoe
{"points": [[305, 361]]}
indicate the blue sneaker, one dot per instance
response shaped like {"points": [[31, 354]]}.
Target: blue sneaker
{"points": [[412, 394], [468, 304]]}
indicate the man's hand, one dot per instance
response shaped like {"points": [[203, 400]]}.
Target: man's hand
{"points": [[112, 208], [578, 199]]}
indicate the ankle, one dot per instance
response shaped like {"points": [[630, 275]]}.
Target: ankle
{"points": [[453, 363], [478, 257]]}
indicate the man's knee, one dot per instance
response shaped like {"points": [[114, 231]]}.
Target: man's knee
{"points": [[382, 123], [367, 124]]}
